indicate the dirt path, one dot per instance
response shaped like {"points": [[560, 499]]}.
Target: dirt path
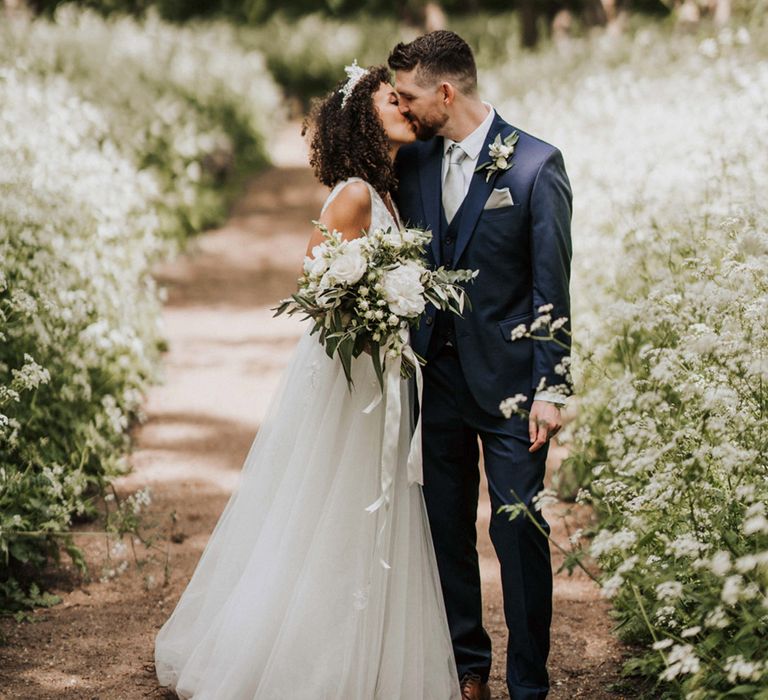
{"points": [[226, 354]]}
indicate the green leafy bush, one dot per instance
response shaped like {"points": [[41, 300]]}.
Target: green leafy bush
{"points": [[187, 104], [662, 137], [683, 478], [307, 55], [117, 139]]}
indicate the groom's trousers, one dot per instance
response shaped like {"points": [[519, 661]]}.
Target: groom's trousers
{"points": [[452, 422]]}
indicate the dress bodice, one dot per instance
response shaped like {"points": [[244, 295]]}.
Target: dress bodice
{"points": [[380, 215]]}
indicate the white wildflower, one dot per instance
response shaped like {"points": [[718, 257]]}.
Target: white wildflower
{"points": [[709, 48], [510, 405], [732, 589], [669, 590], [717, 618], [611, 586], [686, 546], [519, 331], [606, 541], [681, 661], [627, 565], [545, 498], [739, 669], [720, 563], [755, 520]]}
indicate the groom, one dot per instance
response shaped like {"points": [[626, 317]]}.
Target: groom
{"points": [[513, 225]]}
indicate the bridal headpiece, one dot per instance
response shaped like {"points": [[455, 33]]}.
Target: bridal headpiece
{"points": [[354, 73]]}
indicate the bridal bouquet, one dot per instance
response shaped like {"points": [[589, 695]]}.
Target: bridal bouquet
{"points": [[364, 293]]}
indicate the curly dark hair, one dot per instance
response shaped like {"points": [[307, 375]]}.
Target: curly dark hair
{"points": [[351, 141]]}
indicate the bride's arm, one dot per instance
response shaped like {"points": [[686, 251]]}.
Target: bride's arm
{"points": [[349, 213]]}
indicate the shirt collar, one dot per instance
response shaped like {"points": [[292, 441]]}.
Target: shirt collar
{"points": [[473, 144]]}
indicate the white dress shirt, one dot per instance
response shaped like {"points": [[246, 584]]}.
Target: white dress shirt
{"points": [[472, 145]]}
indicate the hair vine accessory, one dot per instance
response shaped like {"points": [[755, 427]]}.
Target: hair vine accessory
{"points": [[354, 73]]}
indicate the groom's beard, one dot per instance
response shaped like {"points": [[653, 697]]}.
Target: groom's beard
{"points": [[428, 127]]}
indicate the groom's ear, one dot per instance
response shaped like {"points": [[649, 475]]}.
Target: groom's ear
{"points": [[448, 93]]}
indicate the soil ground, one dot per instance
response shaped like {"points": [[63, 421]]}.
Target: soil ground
{"points": [[225, 355]]}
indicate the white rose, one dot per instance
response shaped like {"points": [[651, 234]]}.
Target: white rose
{"points": [[501, 163], [403, 289], [349, 265]]}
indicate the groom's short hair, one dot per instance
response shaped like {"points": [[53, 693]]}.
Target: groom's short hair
{"points": [[438, 55]]}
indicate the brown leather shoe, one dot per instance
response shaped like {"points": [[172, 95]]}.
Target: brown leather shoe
{"points": [[473, 688]]}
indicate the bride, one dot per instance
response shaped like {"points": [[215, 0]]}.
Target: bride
{"points": [[292, 598]]}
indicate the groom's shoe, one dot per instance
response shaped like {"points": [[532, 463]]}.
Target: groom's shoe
{"points": [[473, 688]]}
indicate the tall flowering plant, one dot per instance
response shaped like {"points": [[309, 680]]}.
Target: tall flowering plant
{"points": [[365, 293]]}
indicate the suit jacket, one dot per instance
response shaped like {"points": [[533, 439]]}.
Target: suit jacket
{"points": [[522, 251]]}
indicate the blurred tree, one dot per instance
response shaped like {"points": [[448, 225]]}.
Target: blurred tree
{"points": [[690, 12], [538, 14], [434, 17], [722, 11], [533, 12]]}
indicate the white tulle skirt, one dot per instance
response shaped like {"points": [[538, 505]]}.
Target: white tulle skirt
{"points": [[289, 600]]}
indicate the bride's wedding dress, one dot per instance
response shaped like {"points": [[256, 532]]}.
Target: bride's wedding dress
{"points": [[290, 600]]}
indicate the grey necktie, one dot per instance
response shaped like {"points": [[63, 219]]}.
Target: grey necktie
{"points": [[453, 186]]}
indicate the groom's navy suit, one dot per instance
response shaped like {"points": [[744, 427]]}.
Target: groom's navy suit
{"points": [[523, 253]]}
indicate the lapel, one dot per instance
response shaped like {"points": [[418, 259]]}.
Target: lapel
{"points": [[479, 190], [430, 166]]}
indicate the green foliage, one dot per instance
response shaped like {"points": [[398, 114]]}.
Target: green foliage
{"points": [[17, 601], [364, 294], [195, 130], [304, 70], [111, 155], [670, 299], [257, 11], [307, 55], [682, 492], [661, 134]]}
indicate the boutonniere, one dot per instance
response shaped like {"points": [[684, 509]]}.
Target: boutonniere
{"points": [[500, 154]]}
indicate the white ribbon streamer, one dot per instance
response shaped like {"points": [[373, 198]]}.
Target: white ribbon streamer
{"points": [[389, 448]]}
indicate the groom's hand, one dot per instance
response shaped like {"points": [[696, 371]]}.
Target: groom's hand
{"points": [[544, 421]]}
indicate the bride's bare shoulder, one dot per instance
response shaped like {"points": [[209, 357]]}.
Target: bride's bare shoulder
{"points": [[350, 209]]}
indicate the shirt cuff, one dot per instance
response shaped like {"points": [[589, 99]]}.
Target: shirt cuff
{"points": [[550, 396]]}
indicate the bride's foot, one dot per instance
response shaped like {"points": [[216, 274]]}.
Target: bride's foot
{"points": [[473, 688]]}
